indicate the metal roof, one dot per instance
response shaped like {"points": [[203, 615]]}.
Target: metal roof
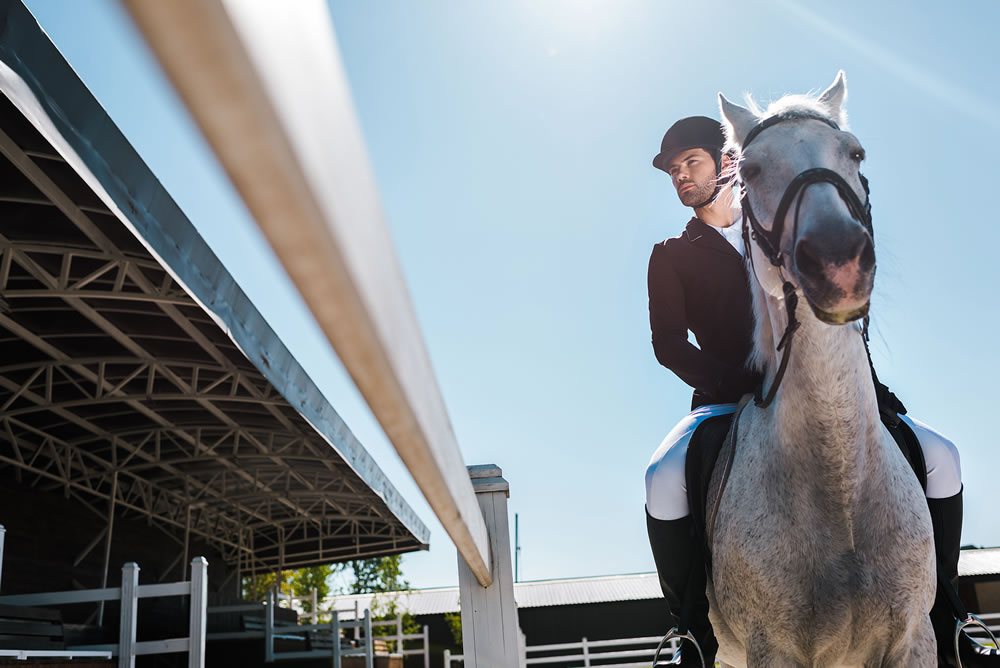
{"points": [[977, 562], [537, 594], [132, 366]]}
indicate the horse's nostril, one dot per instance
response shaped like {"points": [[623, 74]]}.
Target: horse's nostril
{"points": [[866, 259], [806, 259]]}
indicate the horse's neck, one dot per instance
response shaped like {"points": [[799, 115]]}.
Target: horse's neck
{"points": [[825, 412]]}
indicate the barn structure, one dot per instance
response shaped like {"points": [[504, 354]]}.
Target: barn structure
{"points": [[148, 413]]}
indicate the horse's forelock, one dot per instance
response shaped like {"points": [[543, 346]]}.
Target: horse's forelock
{"points": [[789, 106]]}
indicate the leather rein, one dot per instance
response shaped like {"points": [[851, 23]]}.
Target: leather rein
{"points": [[769, 241]]}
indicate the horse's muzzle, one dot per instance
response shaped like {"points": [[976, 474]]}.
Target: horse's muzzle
{"points": [[836, 271]]}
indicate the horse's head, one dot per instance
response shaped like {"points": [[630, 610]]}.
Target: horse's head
{"points": [[807, 199]]}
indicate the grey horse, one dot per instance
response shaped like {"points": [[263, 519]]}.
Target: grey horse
{"points": [[822, 547]]}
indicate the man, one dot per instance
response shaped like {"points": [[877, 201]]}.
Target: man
{"points": [[698, 282]]}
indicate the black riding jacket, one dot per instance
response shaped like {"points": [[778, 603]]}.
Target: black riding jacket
{"points": [[697, 281]]}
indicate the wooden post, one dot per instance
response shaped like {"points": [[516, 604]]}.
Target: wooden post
{"points": [[427, 649], [489, 614], [335, 632], [399, 633], [198, 613], [126, 627], [586, 653], [447, 658], [269, 627], [369, 641]]}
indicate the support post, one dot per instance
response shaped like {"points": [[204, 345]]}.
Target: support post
{"points": [[586, 653], [129, 609], [357, 629], [489, 614], [335, 632], [2, 532], [107, 543], [399, 633], [447, 658], [187, 542], [269, 627], [369, 641], [315, 608], [198, 612], [427, 649]]}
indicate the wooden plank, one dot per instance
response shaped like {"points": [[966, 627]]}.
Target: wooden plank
{"points": [[265, 83]]}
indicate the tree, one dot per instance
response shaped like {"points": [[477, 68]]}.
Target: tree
{"points": [[378, 575]]}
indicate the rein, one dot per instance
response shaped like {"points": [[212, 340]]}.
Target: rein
{"points": [[769, 241]]}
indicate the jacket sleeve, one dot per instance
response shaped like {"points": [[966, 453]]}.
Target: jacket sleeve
{"points": [[668, 322]]}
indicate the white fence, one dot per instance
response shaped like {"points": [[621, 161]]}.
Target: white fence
{"points": [[399, 638], [126, 649], [598, 653]]}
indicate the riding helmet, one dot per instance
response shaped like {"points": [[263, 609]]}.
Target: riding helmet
{"points": [[690, 132]]}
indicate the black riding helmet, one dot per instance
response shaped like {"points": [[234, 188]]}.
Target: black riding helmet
{"points": [[687, 133], [692, 132]]}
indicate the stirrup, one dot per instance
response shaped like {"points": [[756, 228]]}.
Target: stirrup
{"points": [[674, 633], [960, 626]]}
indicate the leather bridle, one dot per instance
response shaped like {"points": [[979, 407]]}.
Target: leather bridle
{"points": [[769, 241]]}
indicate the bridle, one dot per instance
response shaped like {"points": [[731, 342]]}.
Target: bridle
{"points": [[769, 241]]}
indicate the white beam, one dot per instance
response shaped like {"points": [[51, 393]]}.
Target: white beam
{"points": [[265, 83]]}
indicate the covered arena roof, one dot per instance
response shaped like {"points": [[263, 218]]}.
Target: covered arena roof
{"points": [[133, 368]]}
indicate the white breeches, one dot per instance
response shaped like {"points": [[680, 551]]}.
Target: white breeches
{"points": [[666, 486]]}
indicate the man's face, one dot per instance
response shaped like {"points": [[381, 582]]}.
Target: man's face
{"points": [[693, 175]]}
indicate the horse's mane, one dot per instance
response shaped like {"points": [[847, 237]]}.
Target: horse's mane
{"points": [[763, 356], [789, 106]]}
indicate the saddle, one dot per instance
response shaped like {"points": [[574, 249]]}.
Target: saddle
{"points": [[709, 441]]}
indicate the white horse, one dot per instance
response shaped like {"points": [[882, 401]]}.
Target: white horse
{"points": [[822, 546]]}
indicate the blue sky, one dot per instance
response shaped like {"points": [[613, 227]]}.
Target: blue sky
{"points": [[511, 143]]}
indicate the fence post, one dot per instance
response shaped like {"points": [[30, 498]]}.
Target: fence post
{"points": [[315, 608], [2, 532], [522, 649], [489, 614], [586, 653], [198, 613], [427, 649], [399, 633], [269, 627], [447, 658], [357, 629], [335, 632], [126, 625], [369, 641]]}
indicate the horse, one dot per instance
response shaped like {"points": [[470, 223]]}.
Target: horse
{"points": [[821, 541]]}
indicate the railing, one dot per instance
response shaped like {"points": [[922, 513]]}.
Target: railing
{"points": [[271, 631], [987, 618], [583, 653], [127, 648]]}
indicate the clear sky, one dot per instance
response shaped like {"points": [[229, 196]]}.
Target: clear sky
{"points": [[511, 142]]}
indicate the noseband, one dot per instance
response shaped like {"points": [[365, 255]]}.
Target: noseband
{"points": [[769, 241]]}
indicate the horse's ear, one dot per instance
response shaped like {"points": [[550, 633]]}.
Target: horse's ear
{"points": [[833, 98], [737, 120]]}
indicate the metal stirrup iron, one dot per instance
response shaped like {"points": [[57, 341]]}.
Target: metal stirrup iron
{"points": [[674, 633], [961, 625]]}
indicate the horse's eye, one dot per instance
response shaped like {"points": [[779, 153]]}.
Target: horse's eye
{"points": [[858, 154], [749, 172]]}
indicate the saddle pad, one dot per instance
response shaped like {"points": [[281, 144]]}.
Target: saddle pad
{"points": [[710, 436]]}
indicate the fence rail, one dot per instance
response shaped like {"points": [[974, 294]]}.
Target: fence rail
{"points": [[127, 647]]}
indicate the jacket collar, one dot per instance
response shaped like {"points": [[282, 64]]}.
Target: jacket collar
{"points": [[702, 234]]}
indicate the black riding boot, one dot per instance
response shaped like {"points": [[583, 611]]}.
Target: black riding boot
{"points": [[946, 518], [681, 566]]}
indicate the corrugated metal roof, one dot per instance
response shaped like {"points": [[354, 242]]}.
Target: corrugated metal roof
{"points": [[601, 589], [979, 562], [541, 593]]}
